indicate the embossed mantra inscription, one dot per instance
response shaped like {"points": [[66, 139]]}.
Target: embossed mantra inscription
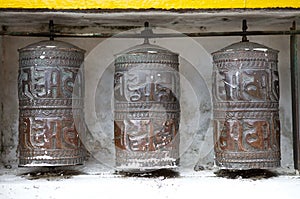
{"points": [[47, 134], [147, 110], [246, 115]]}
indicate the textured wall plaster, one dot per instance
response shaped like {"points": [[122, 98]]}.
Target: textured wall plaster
{"points": [[200, 149]]}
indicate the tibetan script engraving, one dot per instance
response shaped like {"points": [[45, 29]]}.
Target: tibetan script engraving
{"points": [[147, 111], [246, 114], [47, 134]]}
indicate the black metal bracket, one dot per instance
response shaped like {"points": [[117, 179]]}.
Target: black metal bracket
{"points": [[147, 32], [295, 96], [51, 30], [244, 30]]}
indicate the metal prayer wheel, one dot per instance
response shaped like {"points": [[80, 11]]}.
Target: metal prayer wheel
{"points": [[146, 108], [47, 134], [246, 114]]}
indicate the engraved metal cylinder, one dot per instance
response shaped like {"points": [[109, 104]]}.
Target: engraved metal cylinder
{"points": [[147, 109], [246, 113], [47, 134]]}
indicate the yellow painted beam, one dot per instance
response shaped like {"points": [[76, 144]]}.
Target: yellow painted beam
{"points": [[273, 4], [146, 4]]}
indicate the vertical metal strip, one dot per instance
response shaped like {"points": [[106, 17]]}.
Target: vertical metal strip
{"points": [[1, 96], [295, 96]]}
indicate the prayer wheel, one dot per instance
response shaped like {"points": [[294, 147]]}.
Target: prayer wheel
{"points": [[47, 134], [146, 108], [246, 100]]}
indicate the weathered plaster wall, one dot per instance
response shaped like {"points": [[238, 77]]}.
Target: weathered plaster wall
{"points": [[201, 147]]}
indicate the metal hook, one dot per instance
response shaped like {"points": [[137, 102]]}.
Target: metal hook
{"points": [[147, 32], [51, 30], [244, 28]]}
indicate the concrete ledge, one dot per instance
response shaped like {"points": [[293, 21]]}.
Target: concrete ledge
{"points": [[116, 21], [108, 185]]}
